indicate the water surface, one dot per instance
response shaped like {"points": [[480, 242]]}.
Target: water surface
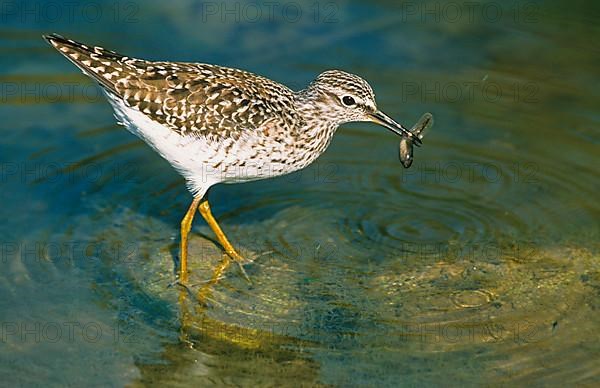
{"points": [[477, 265]]}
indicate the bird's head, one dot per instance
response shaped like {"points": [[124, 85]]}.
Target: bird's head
{"points": [[343, 97]]}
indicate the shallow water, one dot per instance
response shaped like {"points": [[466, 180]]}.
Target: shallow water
{"points": [[477, 265]]}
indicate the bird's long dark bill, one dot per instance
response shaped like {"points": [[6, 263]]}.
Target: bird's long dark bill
{"points": [[386, 121]]}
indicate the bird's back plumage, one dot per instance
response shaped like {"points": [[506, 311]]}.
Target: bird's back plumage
{"points": [[190, 98]]}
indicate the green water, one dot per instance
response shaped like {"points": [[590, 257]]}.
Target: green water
{"points": [[479, 265]]}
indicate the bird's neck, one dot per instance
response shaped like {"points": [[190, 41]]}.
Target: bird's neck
{"points": [[319, 122], [315, 108]]}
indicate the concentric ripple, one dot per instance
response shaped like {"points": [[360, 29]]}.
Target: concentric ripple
{"points": [[469, 196]]}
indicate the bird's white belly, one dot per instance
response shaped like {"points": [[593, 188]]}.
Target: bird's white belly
{"points": [[201, 162]]}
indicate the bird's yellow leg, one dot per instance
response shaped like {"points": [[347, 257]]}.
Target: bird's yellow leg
{"points": [[204, 209], [186, 226]]}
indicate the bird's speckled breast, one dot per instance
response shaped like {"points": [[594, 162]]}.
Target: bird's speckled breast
{"points": [[274, 151]]}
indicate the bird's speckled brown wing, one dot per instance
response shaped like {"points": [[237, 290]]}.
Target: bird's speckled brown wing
{"points": [[191, 99]]}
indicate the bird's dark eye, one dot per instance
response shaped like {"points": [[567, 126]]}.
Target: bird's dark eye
{"points": [[348, 100]]}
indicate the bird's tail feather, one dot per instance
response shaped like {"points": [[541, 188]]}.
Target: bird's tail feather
{"points": [[95, 62]]}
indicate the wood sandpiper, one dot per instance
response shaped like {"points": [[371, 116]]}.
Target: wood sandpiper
{"points": [[215, 124]]}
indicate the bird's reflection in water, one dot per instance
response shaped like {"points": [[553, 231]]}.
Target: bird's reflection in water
{"points": [[211, 351]]}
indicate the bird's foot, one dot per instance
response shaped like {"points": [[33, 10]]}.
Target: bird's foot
{"points": [[240, 262]]}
